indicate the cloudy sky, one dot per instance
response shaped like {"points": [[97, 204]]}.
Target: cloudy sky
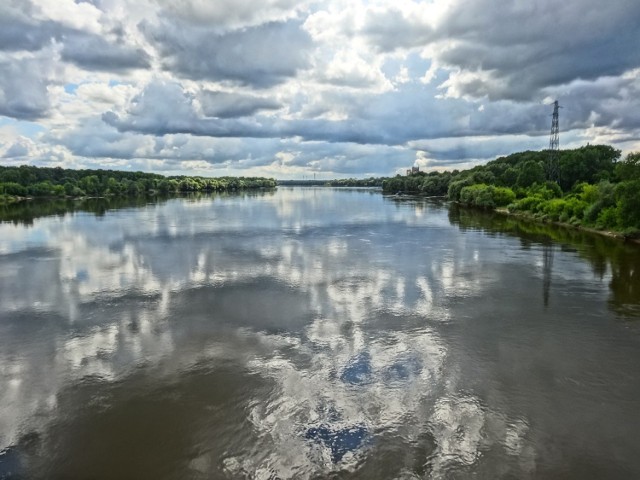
{"points": [[293, 88]]}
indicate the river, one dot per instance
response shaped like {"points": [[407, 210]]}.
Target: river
{"points": [[310, 333]]}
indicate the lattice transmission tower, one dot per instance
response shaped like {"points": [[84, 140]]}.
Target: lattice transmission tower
{"points": [[553, 169]]}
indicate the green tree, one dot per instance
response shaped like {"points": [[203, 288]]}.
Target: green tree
{"points": [[531, 172], [629, 169], [628, 196]]}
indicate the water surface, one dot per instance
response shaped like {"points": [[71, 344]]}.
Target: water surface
{"points": [[313, 333]]}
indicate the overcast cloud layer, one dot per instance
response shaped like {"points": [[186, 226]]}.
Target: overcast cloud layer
{"points": [[288, 88]]}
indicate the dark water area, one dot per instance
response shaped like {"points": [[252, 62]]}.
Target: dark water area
{"points": [[313, 333]]}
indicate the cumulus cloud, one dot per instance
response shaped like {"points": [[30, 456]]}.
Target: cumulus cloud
{"points": [[94, 52], [348, 69], [514, 51], [406, 114], [18, 33], [19, 149], [23, 87], [232, 104], [403, 25], [508, 52], [260, 56], [287, 87], [231, 14], [23, 150]]}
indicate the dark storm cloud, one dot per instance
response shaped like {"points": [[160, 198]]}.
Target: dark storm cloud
{"points": [[229, 105], [93, 52], [260, 56]]}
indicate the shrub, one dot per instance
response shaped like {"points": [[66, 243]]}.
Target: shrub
{"points": [[455, 188], [592, 211], [575, 207], [554, 208], [477, 196], [588, 193], [527, 204], [12, 188], [503, 196], [628, 196], [607, 218]]}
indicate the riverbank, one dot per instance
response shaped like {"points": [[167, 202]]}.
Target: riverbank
{"points": [[9, 199], [13, 199], [633, 238]]}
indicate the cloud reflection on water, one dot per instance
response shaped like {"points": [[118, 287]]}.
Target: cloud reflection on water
{"points": [[342, 315]]}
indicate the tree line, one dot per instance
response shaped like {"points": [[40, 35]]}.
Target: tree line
{"points": [[336, 182], [594, 188], [357, 182], [29, 181]]}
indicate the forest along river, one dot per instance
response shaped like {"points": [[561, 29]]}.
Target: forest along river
{"points": [[313, 332]]}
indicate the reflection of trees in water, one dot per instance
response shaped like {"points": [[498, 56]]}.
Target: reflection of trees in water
{"points": [[25, 212], [625, 285], [604, 254], [547, 259]]}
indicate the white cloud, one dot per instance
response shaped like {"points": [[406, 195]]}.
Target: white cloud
{"points": [[348, 69], [150, 82], [233, 14], [77, 15]]}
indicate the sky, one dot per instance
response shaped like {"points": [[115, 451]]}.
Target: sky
{"points": [[303, 88]]}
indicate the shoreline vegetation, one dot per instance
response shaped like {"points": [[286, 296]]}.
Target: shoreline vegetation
{"points": [[595, 190], [26, 182]]}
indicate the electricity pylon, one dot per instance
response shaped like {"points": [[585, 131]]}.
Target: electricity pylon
{"points": [[553, 168]]}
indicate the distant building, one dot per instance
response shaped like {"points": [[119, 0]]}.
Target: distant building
{"points": [[413, 171]]}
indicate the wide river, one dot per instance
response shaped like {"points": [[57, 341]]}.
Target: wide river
{"points": [[313, 333]]}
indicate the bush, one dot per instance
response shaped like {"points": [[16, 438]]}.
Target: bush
{"points": [[575, 207], [587, 193], [503, 196], [546, 190], [486, 196], [555, 208], [607, 218], [455, 188], [592, 211], [527, 204], [477, 196], [628, 196], [14, 189]]}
